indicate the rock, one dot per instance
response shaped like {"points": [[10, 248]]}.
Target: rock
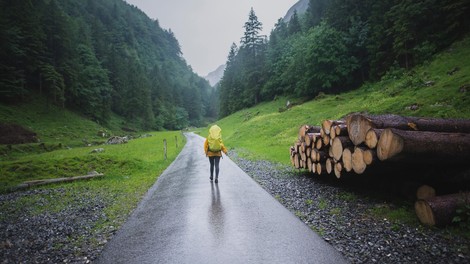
{"points": [[117, 140], [98, 150]]}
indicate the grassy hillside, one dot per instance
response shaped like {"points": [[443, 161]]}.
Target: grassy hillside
{"points": [[67, 141], [438, 88]]}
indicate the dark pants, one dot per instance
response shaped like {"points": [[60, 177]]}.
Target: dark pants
{"points": [[214, 161]]}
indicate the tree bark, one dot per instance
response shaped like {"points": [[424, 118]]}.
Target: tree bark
{"points": [[359, 124], [440, 210], [430, 146]]}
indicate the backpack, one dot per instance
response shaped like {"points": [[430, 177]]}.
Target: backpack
{"points": [[215, 139]]}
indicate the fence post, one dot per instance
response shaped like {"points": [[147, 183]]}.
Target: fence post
{"points": [[164, 148], [176, 139]]}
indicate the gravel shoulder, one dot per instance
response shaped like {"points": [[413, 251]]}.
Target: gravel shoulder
{"points": [[341, 215]]}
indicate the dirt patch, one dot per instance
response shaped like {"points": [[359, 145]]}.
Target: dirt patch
{"points": [[16, 134]]}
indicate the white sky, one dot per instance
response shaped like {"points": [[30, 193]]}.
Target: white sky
{"points": [[206, 29]]}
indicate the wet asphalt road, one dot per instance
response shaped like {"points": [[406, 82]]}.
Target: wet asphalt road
{"points": [[187, 219]]}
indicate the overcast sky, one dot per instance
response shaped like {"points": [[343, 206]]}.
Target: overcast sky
{"points": [[206, 29]]}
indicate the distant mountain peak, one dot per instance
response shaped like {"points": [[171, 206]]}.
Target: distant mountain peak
{"points": [[215, 76], [301, 6]]}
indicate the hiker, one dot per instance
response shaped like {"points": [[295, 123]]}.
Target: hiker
{"points": [[213, 148]]}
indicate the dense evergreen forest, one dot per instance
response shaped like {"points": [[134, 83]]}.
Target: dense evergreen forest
{"points": [[337, 45], [99, 58]]}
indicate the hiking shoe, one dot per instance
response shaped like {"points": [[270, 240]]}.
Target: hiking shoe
{"points": [[216, 180], [210, 178]]}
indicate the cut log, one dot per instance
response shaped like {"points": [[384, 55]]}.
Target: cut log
{"points": [[372, 137], [309, 164], [310, 138], [341, 130], [296, 161], [338, 168], [370, 156], [358, 164], [27, 184], [359, 124], [440, 210], [326, 140], [431, 146], [329, 164], [347, 159], [320, 169], [319, 144], [305, 129], [338, 145], [327, 124], [321, 156], [425, 192], [297, 146]]}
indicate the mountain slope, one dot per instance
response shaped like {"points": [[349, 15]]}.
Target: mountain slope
{"points": [[300, 7], [215, 76]]}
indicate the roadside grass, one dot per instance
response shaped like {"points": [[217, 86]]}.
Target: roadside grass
{"points": [[130, 170]]}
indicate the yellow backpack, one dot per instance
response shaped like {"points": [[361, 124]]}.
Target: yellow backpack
{"points": [[215, 138]]}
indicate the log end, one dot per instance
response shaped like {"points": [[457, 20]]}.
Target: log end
{"points": [[424, 213], [389, 145], [425, 192]]}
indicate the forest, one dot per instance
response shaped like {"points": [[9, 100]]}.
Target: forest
{"points": [[100, 59], [335, 46]]}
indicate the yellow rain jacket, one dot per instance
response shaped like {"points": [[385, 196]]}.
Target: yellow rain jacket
{"points": [[213, 130]]}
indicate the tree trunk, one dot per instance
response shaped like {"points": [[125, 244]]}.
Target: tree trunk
{"points": [[440, 210], [431, 146]]}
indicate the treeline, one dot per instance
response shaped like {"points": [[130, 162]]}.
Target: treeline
{"points": [[337, 45], [99, 57]]}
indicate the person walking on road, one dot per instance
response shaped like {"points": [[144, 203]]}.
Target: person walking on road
{"points": [[213, 147]]}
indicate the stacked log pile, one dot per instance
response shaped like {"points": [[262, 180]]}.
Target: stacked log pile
{"points": [[360, 142]]}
